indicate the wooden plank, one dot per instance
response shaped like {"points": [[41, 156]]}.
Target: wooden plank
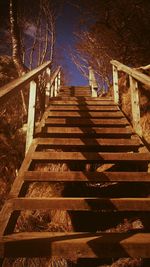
{"points": [[88, 130], [5, 216], [76, 245], [63, 87], [73, 93], [18, 183], [54, 75], [88, 142], [89, 98], [17, 84], [79, 102], [84, 108], [91, 156], [84, 121], [93, 82], [145, 79], [135, 105], [71, 114], [115, 85], [56, 86], [48, 86], [41, 176], [15, 190], [80, 203], [31, 115]]}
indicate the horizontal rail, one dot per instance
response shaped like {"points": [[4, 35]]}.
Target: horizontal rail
{"points": [[17, 84], [132, 72], [55, 74]]}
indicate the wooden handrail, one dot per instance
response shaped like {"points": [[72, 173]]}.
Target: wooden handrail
{"points": [[55, 74], [9, 89], [31, 78], [135, 76], [52, 89]]}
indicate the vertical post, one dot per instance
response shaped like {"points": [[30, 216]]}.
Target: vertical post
{"points": [[31, 115], [47, 93], [59, 81], [135, 106], [51, 90], [92, 82], [115, 85], [56, 86]]}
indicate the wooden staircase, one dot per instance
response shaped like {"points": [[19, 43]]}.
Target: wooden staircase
{"points": [[88, 134]]}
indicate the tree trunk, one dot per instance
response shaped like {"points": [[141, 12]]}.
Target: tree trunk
{"points": [[16, 44]]}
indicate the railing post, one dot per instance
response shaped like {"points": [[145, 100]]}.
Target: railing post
{"points": [[59, 81], [51, 90], [92, 82], [56, 86], [115, 85], [135, 106], [31, 115], [47, 93]]}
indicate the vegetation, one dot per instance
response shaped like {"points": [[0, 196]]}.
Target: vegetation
{"points": [[112, 30]]}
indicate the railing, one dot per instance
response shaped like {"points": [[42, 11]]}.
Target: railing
{"points": [[135, 77], [51, 89], [93, 82]]}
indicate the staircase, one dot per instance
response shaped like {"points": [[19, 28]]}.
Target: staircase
{"points": [[87, 134]]}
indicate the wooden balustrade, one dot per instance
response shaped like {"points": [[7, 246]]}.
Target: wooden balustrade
{"points": [[51, 89], [135, 77], [93, 82]]}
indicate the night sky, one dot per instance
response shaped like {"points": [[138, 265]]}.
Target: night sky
{"points": [[66, 25]]}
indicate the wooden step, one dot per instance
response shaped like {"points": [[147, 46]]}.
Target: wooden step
{"points": [[88, 142], [75, 93], [76, 245], [80, 203], [91, 156], [63, 87], [88, 131], [75, 89], [47, 176], [75, 121], [84, 108], [78, 100], [97, 114]]}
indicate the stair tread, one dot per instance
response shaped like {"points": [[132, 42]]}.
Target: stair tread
{"points": [[116, 114], [77, 176], [88, 130], [88, 142], [85, 121], [82, 203], [76, 244], [91, 156], [84, 108]]}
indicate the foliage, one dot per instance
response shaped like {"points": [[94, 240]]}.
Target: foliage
{"points": [[112, 29], [12, 140]]}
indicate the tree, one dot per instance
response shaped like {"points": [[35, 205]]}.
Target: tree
{"points": [[15, 36], [32, 36], [113, 29]]}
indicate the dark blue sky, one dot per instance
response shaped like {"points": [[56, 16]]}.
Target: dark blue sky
{"points": [[66, 25]]}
